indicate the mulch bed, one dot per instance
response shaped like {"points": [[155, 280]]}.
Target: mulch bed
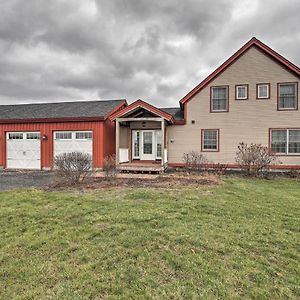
{"points": [[161, 181]]}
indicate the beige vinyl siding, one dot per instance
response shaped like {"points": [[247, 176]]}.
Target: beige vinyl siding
{"points": [[247, 120], [124, 134]]}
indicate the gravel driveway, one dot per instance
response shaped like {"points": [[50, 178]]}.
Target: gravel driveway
{"points": [[21, 179]]}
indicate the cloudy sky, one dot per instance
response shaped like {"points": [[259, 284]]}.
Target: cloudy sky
{"points": [[62, 50]]}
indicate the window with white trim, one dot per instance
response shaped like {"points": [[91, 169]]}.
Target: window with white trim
{"points": [[241, 92], [219, 99], [136, 144], [158, 144], [287, 96], [285, 141], [210, 140], [263, 91], [63, 135], [84, 135]]}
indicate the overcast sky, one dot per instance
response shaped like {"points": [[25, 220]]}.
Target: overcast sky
{"points": [[158, 50]]}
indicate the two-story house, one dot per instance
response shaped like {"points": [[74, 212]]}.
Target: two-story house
{"points": [[252, 97]]}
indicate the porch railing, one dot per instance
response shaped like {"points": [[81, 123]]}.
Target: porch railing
{"points": [[123, 155], [165, 156]]}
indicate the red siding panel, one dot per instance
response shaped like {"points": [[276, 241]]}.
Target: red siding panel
{"points": [[100, 144], [109, 138]]}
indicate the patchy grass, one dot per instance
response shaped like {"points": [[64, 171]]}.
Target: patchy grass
{"points": [[237, 240]]}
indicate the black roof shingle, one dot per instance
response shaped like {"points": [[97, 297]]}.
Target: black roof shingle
{"points": [[57, 110], [176, 112]]}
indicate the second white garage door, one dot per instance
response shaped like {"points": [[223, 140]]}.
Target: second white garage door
{"points": [[73, 141]]}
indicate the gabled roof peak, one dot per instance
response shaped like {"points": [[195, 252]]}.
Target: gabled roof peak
{"points": [[252, 42], [142, 104]]}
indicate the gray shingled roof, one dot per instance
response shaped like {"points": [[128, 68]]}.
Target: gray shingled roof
{"points": [[77, 109], [176, 112]]}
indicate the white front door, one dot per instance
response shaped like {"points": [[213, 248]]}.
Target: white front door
{"points": [[23, 150], [148, 151], [146, 144]]}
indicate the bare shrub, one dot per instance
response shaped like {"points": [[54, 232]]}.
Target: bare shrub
{"points": [[195, 160], [109, 167], [254, 159], [292, 173], [220, 169], [73, 167]]}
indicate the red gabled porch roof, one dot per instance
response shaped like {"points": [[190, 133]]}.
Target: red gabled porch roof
{"points": [[253, 42], [142, 104]]}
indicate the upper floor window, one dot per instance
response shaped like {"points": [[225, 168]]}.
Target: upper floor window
{"points": [[219, 99], [210, 140], [241, 92], [287, 96], [263, 91], [285, 141]]}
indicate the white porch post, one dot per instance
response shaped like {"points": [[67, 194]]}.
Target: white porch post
{"points": [[117, 140], [162, 142]]}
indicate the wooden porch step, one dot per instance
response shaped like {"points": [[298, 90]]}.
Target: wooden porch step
{"points": [[134, 167]]}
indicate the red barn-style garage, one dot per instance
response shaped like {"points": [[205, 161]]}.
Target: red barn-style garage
{"points": [[32, 134]]}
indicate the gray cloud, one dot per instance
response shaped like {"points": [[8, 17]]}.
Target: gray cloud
{"points": [[155, 50]]}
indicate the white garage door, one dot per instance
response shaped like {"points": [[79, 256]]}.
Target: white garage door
{"points": [[73, 141], [23, 150]]}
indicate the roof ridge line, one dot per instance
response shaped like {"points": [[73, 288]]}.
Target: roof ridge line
{"points": [[63, 102]]}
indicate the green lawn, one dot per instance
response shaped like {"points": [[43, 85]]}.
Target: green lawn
{"points": [[239, 240]]}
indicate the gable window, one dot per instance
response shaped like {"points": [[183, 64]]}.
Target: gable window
{"points": [[285, 141], [263, 91], [219, 99], [287, 96], [210, 140], [241, 92]]}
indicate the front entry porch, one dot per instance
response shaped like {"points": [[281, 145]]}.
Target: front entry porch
{"points": [[140, 144], [141, 137]]}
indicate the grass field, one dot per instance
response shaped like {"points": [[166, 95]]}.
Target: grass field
{"points": [[239, 240]]}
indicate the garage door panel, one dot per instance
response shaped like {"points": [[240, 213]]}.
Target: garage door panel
{"points": [[23, 153], [73, 144]]}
